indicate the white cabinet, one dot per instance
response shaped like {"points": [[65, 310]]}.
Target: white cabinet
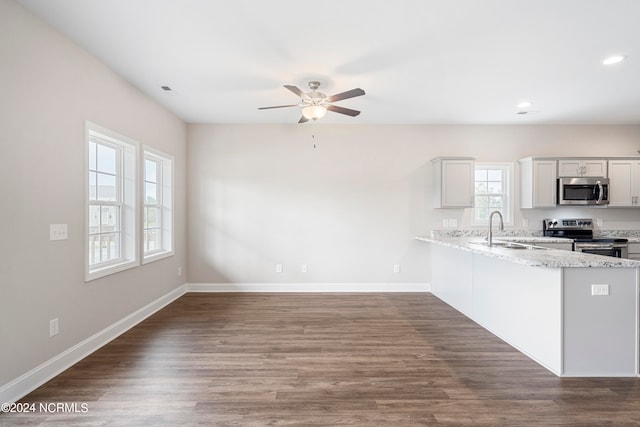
{"points": [[634, 251], [538, 181], [564, 246], [453, 182], [624, 182], [582, 167]]}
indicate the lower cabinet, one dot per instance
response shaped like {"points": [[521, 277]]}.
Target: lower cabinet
{"points": [[549, 314], [634, 251], [564, 246]]}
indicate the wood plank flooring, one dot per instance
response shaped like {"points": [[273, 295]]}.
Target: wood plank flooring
{"points": [[322, 359]]}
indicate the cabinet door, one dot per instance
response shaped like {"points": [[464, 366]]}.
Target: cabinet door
{"points": [[544, 184], [634, 251], [591, 168], [457, 183], [594, 168], [562, 246], [622, 185], [569, 168]]}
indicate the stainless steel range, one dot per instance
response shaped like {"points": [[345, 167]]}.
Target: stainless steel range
{"points": [[581, 232]]}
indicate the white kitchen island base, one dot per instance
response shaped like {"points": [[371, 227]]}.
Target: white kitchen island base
{"points": [[548, 313]]}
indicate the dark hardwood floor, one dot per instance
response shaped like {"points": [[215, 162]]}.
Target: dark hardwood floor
{"points": [[322, 359]]}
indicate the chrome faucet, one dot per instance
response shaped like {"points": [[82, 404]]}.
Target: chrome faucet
{"points": [[490, 238]]}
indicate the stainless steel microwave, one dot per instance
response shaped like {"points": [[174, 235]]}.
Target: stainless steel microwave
{"points": [[583, 191]]}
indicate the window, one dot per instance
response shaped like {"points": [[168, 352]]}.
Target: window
{"points": [[111, 207], [493, 192], [157, 205]]}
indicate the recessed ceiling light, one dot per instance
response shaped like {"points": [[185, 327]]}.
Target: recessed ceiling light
{"points": [[524, 104], [613, 59]]}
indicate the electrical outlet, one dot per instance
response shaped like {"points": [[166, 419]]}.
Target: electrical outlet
{"points": [[599, 222], [445, 222], [53, 327], [304, 268], [396, 268], [453, 222], [599, 290], [525, 222], [179, 271], [278, 268]]}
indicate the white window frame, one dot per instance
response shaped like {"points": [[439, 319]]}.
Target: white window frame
{"points": [[127, 193], [165, 203], [508, 212]]}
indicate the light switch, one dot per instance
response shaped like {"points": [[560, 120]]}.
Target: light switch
{"points": [[58, 232]]}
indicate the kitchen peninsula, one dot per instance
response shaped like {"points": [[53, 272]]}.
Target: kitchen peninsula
{"points": [[576, 314]]}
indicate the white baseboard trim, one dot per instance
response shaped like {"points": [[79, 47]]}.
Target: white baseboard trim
{"points": [[39, 375], [308, 287]]}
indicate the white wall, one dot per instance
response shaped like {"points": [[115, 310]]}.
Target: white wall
{"points": [[349, 209], [49, 88]]}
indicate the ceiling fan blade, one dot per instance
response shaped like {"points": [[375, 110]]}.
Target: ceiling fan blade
{"points": [[342, 110], [277, 106], [303, 119], [297, 91], [346, 95]]}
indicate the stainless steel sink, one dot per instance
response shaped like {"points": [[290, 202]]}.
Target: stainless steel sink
{"points": [[507, 245]]}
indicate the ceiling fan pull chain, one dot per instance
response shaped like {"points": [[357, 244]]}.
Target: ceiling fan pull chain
{"points": [[313, 133]]}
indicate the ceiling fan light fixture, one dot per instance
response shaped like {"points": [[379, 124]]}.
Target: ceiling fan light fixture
{"points": [[314, 112]]}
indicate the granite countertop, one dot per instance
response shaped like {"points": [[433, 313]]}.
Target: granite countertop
{"points": [[549, 258]]}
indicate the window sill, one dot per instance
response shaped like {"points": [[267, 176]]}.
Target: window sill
{"points": [[111, 269], [156, 256]]}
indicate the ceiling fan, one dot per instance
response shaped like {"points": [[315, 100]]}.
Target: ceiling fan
{"points": [[315, 104]]}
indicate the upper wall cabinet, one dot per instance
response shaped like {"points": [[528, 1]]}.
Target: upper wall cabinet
{"points": [[538, 183], [453, 182], [582, 167], [624, 182]]}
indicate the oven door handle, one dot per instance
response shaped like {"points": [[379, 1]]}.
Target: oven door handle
{"points": [[600, 192]]}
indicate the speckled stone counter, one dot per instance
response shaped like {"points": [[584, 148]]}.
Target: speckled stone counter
{"points": [[550, 258]]}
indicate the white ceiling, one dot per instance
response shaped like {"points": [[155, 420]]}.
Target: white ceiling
{"points": [[420, 61]]}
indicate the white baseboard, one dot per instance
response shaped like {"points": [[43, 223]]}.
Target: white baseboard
{"points": [[308, 287], [26, 383], [39, 375]]}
